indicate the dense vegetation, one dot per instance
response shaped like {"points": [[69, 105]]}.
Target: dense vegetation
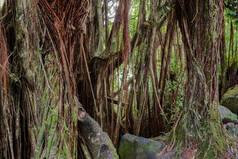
{"points": [[145, 67]]}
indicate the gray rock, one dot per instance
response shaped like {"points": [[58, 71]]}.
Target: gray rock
{"points": [[229, 120], [230, 99], [227, 115], [134, 147], [98, 142]]}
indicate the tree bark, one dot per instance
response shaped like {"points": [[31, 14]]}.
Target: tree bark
{"points": [[201, 24], [15, 135]]}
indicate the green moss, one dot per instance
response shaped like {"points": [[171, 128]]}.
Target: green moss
{"points": [[113, 150], [230, 99], [231, 93], [126, 147]]}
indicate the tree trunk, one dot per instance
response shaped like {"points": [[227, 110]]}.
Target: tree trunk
{"points": [[201, 24], [15, 136]]}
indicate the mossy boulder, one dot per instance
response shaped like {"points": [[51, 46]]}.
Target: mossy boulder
{"points": [[227, 115], [134, 147], [232, 129], [230, 99], [229, 120]]}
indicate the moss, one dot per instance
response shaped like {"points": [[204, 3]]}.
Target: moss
{"points": [[134, 147], [214, 144], [208, 135], [113, 150], [231, 93], [230, 99], [126, 147]]}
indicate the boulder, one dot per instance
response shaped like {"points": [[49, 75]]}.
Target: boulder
{"points": [[227, 115], [232, 129], [134, 147], [230, 99], [229, 120], [98, 142]]}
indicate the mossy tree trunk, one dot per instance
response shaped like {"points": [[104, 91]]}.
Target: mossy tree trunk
{"points": [[15, 113], [201, 24]]}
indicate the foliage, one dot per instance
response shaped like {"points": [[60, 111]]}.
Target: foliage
{"points": [[232, 10]]}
